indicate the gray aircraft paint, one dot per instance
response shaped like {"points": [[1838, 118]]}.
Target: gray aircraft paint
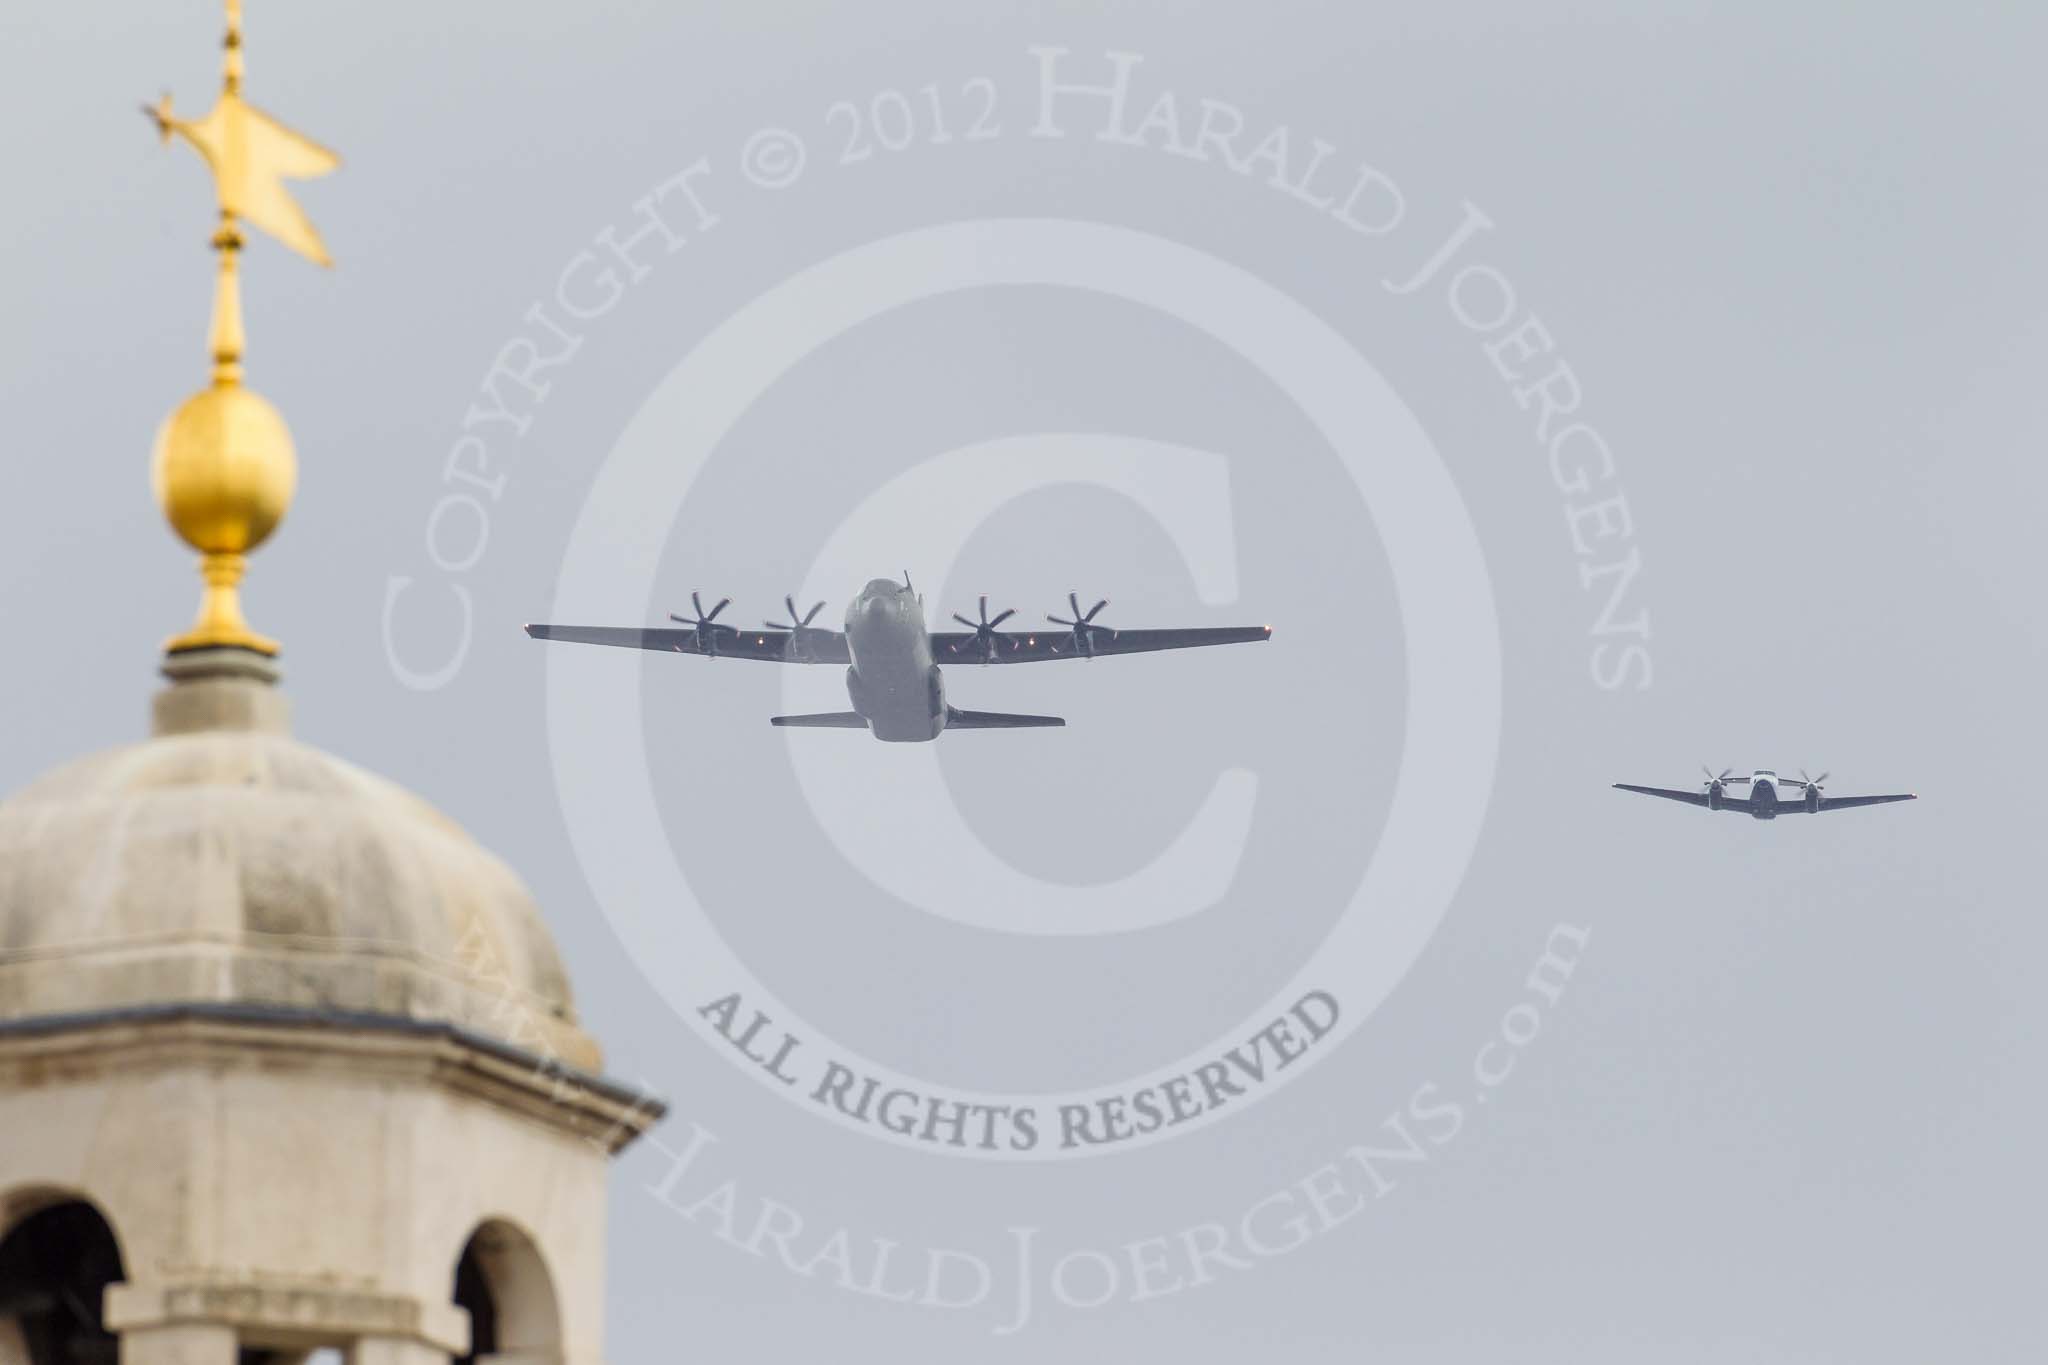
{"points": [[893, 681]]}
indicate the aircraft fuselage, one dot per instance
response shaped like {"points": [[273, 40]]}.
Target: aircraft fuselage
{"points": [[893, 683], [1763, 796]]}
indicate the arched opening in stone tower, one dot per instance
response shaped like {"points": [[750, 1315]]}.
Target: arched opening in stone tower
{"points": [[501, 1279], [57, 1256]]}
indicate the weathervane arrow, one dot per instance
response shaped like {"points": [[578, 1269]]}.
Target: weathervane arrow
{"points": [[251, 155]]}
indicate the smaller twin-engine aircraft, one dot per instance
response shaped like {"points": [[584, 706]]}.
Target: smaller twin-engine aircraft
{"points": [[1763, 801], [893, 677]]}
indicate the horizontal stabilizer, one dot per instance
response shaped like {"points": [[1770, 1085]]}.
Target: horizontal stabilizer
{"points": [[823, 720], [996, 720]]}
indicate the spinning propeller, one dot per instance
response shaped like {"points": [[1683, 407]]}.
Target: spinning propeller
{"points": [[1082, 626], [986, 636], [1815, 802], [707, 634], [1713, 781], [799, 627]]}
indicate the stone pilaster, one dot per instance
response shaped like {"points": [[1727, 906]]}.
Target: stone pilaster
{"points": [[395, 1351], [179, 1343]]}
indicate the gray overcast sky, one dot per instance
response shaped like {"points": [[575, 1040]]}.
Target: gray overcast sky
{"points": [[1787, 1107]]}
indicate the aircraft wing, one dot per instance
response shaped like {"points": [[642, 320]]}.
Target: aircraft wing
{"points": [[726, 642], [1025, 647], [1828, 803], [1691, 798]]}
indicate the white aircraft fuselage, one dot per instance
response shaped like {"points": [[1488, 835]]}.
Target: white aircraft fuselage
{"points": [[1763, 794]]}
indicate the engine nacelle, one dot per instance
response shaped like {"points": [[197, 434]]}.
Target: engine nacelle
{"points": [[1713, 796], [1812, 799]]}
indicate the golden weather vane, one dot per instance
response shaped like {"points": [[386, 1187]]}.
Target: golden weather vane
{"points": [[224, 469]]}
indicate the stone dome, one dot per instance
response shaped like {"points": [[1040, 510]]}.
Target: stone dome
{"points": [[222, 861]]}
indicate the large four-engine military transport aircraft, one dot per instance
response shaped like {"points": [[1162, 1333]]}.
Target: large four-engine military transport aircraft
{"points": [[892, 675], [1763, 801]]}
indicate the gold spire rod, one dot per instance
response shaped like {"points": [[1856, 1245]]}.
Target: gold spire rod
{"points": [[231, 56], [226, 338], [224, 468]]}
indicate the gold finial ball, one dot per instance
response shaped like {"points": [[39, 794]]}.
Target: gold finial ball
{"points": [[224, 469]]}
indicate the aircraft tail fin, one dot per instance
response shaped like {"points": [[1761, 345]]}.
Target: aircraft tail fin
{"points": [[823, 720], [957, 719]]}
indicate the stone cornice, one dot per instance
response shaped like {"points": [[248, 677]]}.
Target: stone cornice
{"points": [[53, 1047]]}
